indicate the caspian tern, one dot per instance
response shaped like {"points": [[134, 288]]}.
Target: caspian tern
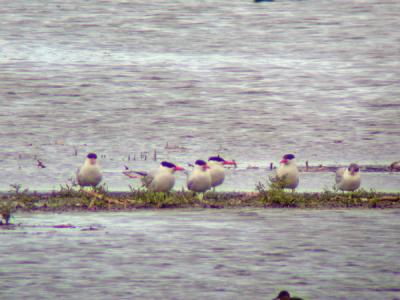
{"points": [[217, 170], [288, 172], [89, 174], [348, 179], [160, 180], [200, 179]]}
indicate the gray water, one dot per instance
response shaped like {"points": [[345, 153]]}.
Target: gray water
{"points": [[319, 79], [316, 78], [204, 254]]}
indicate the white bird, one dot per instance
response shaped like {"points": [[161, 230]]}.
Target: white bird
{"points": [[217, 170], [348, 179], [200, 179], [287, 172], [89, 174], [160, 180]]}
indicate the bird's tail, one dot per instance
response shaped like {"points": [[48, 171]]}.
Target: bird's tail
{"points": [[139, 173], [134, 174]]}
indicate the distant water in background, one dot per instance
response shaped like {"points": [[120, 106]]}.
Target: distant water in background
{"points": [[251, 81]]}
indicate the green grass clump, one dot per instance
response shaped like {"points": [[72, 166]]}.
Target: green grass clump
{"points": [[141, 198], [275, 196]]}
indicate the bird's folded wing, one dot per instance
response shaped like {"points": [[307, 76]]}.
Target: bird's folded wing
{"points": [[190, 183], [148, 179], [130, 174], [140, 173], [274, 178], [339, 175]]}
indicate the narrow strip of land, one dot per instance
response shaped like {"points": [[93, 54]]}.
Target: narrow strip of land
{"points": [[68, 199]]}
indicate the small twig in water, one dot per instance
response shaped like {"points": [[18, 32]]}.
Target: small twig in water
{"points": [[155, 155], [40, 164], [130, 175]]}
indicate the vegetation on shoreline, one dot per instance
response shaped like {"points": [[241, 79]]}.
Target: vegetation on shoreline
{"points": [[273, 196]]}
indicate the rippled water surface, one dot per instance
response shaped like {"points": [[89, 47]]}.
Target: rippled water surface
{"points": [[248, 80], [212, 254]]}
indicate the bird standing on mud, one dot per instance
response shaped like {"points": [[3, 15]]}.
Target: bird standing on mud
{"points": [[160, 180], [287, 172], [348, 179], [89, 174], [200, 179], [217, 171]]}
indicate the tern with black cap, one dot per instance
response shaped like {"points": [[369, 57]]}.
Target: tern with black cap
{"points": [[287, 172], [89, 174], [160, 180], [200, 179], [217, 171], [348, 179]]}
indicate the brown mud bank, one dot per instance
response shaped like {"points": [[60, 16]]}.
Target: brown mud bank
{"points": [[69, 200]]}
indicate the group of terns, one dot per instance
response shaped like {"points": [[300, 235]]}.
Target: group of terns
{"points": [[208, 175]]}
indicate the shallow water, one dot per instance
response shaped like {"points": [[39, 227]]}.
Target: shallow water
{"points": [[213, 254], [250, 81]]}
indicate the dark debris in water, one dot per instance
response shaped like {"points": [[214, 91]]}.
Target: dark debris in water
{"points": [[64, 226], [90, 228], [8, 226], [364, 168]]}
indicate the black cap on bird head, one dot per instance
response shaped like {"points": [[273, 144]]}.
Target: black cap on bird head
{"points": [[200, 162], [354, 168], [288, 156], [168, 164], [92, 156], [216, 158]]}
